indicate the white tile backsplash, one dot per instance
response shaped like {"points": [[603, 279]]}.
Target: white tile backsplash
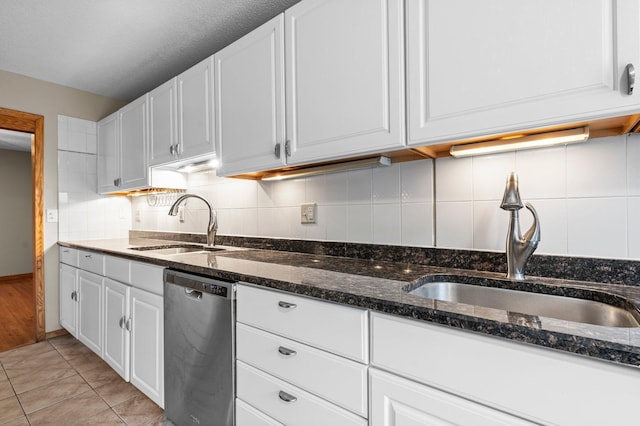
{"points": [[387, 224], [454, 224], [597, 227], [489, 225], [542, 173], [633, 227], [417, 224], [490, 174], [386, 185], [597, 168], [454, 179], [633, 165]]}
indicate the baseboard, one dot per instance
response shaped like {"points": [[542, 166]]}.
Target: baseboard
{"points": [[17, 277], [56, 333]]}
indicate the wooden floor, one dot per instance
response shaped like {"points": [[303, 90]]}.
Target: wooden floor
{"points": [[17, 312]]}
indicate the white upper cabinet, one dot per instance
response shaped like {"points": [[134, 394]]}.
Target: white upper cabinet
{"points": [[195, 113], [482, 68], [344, 78], [108, 154], [249, 101], [163, 123], [134, 132]]}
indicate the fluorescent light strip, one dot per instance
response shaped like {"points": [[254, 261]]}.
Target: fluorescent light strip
{"points": [[559, 137], [329, 168]]}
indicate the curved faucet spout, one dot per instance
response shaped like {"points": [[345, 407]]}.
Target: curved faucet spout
{"points": [[212, 228]]}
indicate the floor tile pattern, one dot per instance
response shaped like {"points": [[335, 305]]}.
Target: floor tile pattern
{"points": [[61, 382]]}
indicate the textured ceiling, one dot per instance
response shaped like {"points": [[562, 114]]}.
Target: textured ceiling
{"points": [[121, 48]]}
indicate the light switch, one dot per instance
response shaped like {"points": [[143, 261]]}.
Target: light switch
{"points": [[308, 213], [51, 215]]}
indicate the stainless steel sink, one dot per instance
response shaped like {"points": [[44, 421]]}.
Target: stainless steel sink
{"points": [[559, 307], [172, 249]]}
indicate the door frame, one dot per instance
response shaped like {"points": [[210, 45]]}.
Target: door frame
{"points": [[33, 123]]}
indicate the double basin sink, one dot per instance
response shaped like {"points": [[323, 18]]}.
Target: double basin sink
{"points": [[454, 289]]}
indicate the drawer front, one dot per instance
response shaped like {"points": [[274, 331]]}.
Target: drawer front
{"points": [[287, 403], [246, 415], [68, 256], [484, 369], [147, 277], [331, 377], [117, 268], [90, 261], [335, 328]]}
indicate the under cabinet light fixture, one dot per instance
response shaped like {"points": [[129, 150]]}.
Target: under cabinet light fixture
{"points": [[365, 163], [560, 137]]}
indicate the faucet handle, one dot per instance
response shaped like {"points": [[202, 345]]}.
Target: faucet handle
{"points": [[533, 233]]}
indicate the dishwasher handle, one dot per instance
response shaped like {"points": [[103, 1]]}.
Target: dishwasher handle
{"points": [[193, 294]]}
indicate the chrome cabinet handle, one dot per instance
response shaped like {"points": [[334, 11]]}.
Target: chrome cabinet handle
{"points": [[74, 295], [276, 150], [121, 322], [287, 148], [286, 351], [65, 251], [172, 150], [128, 324], [88, 256], [287, 397], [631, 78], [116, 182], [286, 305]]}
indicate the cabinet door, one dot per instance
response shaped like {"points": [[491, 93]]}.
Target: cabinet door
{"points": [[195, 114], [147, 344], [133, 144], [400, 402], [249, 101], [90, 318], [163, 123], [68, 298], [344, 78], [116, 319], [481, 68], [108, 154]]}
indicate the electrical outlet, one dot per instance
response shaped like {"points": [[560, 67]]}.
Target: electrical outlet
{"points": [[308, 213]]}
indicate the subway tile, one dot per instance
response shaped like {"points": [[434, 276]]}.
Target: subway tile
{"points": [[490, 173], [597, 168], [597, 227], [633, 215], [359, 186], [454, 224], [288, 193], [542, 173], [454, 179], [416, 181], [633, 165], [335, 189], [336, 222], [359, 223]]}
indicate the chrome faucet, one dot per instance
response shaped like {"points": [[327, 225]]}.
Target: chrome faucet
{"points": [[519, 248], [212, 228]]}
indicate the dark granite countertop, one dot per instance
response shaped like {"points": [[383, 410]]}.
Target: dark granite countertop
{"points": [[383, 286]]}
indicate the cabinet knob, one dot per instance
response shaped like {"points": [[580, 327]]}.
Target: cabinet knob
{"points": [[88, 256], [286, 351], [287, 397], [631, 78], [286, 305]]}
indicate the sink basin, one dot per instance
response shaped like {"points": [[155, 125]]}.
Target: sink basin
{"points": [[546, 305], [172, 249]]}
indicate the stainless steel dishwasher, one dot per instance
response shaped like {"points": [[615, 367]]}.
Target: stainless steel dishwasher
{"points": [[199, 339]]}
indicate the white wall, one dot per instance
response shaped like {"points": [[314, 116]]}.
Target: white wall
{"points": [[587, 196], [83, 214], [16, 223], [391, 205]]}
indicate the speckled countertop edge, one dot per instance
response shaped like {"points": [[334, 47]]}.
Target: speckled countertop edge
{"points": [[379, 286]]}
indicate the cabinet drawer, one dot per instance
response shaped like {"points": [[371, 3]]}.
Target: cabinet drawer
{"points": [[90, 261], [68, 256], [336, 328], [246, 415], [269, 395], [484, 369], [147, 277], [311, 369], [117, 268]]}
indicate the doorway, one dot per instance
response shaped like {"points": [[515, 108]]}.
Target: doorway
{"points": [[33, 124]]}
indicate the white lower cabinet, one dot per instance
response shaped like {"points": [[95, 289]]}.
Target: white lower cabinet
{"points": [[246, 415], [400, 402], [296, 370], [117, 313], [147, 344], [116, 320], [90, 306], [69, 298]]}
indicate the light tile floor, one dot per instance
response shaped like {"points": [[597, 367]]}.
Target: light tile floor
{"points": [[61, 382]]}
